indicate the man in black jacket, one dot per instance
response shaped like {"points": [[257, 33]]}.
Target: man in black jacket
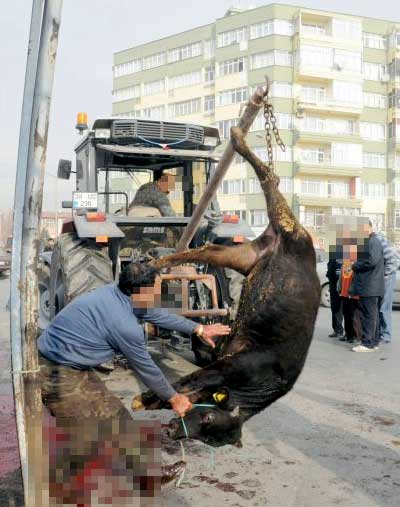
{"points": [[370, 286], [333, 270]]}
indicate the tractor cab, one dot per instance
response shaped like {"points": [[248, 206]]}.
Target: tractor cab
{"points": [[137, 184]]}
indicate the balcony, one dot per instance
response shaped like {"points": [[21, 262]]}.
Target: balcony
{"points": [[321, 164], [301, 134], [325, 103], [326, 200]]}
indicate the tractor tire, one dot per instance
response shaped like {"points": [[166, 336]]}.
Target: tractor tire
{"points": [[78, 266], [204, 355], [43, 274]]}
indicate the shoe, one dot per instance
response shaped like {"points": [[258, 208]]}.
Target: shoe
{"points": [[376, 347], [363, 348], [343, 338], [352, 340], [335, 335]]}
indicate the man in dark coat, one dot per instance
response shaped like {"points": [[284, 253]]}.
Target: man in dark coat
{"points": [[369, 284], [333, 271]]}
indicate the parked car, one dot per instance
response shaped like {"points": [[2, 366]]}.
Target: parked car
{"points": [[5, 263], [325, 296]]}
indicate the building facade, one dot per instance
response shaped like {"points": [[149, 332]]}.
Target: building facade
{"points": [[335, 90]]}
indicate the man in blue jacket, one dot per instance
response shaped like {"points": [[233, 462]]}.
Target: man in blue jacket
{"points": [[369, 285], [99, 324]]}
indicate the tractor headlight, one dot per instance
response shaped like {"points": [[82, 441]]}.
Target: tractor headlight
{"points": [[210, 141], [102, 133]]}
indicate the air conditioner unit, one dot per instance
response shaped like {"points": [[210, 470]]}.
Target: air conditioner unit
{"points": [[300, 113], [336, 66], [385, 78]]}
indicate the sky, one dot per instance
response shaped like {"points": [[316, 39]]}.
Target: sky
{"points": [[91, 31]]}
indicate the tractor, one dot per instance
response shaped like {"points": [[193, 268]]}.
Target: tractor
{"points": [[98, 241]]}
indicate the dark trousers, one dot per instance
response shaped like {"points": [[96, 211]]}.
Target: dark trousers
{"points": [[351, 315], [94, 445], [369, 315], [336, 309]]}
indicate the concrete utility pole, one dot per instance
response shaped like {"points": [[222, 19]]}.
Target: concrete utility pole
{"points": [[41, 58]]}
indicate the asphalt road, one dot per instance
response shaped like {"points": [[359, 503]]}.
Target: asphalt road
{"points": [[334, 440]]}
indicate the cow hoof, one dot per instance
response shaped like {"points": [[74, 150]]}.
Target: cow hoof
{"points": [[170, 474], [137, 403]]}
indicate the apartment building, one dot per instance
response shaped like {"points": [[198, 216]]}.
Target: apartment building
{"points": [[335, 90]]}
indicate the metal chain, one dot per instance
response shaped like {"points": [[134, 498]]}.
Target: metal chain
{"points": [[270, 122]]}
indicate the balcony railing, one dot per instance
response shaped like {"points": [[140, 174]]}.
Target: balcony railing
{"points": [[326, 101]]}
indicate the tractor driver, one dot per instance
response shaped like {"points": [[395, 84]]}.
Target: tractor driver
{"points": [[155, 194], [95, 326]]}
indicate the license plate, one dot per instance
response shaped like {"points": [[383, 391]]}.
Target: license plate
{"points": [[84, 200]]}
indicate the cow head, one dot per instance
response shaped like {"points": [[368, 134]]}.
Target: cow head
{"points": [[213, 426]]}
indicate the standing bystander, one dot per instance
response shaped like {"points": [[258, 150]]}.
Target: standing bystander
{"points": [[333, 271], [350, 302], [385, 311], [369, 285]]}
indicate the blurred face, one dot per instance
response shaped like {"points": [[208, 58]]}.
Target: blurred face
{"points": [[148, 297], [167, 183], [350, 252]]}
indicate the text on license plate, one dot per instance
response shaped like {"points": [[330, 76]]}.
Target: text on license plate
{"points": [[84, 200]]}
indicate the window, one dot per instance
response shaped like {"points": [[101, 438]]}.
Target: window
{"points": [[377, 160], [394, 98], [184, 52], [154, 87], [396, 190], [189, 79], [397, 219], [281, 89], [313, 94], [185, 107], [232, 66], [348, 93], [374, 100], [130, 92], [349, 212], [313, 187], [230, 187], [224, 127], [128, 68], [258, 217], [234, 96], [269, 58], [338, 189], [313, 124], [315, 56], [314, 156], [154, 61], [284, 121], [209, 104], [254, 186], [209, 75], [374, 71], [313, 29], [374, 41], [393, 68], [209, 49], [231, 37], [375, 131], [312, 218], [154, 113], [286, 185], [241, 213], [346, 29], [271, 27], [278, 154], [347, 60], [377, 219], [341, 127], [346, 154], [374, 190]]}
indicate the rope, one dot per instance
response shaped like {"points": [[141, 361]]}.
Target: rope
{"points": [[18, 372], [211, 465]]}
